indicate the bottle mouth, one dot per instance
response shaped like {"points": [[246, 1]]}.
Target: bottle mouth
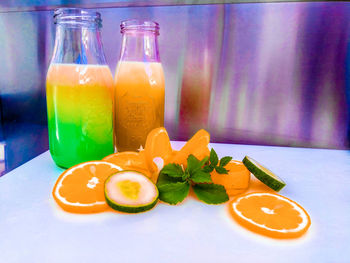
{"points": [[77, 17], [134, 25]]}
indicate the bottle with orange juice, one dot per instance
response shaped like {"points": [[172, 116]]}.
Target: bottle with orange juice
{"points": [[139, 85], [79, 91]]}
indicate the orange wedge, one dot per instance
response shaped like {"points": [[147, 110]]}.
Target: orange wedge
{"points": [[270, 214], [237, 179], [80, 189], [157, 145], [197, 145], [130, 161], [201, 152]]}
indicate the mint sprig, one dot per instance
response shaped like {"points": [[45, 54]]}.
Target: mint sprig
{"points": [[215, 164], [210, 193], [224, 160], [173, 193], [174, 181], [173, 170]]}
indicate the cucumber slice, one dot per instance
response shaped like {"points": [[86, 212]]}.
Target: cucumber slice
{"points": [[130, 192], [263, 174]]}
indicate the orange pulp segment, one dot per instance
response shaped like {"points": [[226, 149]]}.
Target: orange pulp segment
{"points": [[129, 161], [80, 189], [197, 145], [157, 145], [237, 179], [270, 214]]}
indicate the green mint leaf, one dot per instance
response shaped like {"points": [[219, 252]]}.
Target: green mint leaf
{"points": [[208, 169], [173, 193], [193, 164], [186, 175], [172, 170], [225, 160], [211, 193], [165, 179], [201, 177], [205, 159], [213, 158], [221, 170]]}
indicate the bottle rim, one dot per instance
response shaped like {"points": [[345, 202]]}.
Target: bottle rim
{"points": [[77, 16], [135, 25]]}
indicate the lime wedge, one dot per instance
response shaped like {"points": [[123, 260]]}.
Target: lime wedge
{"points": [[263, 174]]}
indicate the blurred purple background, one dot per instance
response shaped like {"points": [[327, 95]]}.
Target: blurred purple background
{"points": [[265, 73]]}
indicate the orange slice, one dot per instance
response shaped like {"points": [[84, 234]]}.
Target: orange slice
{"points": [[127, 160], [270, 214], [80, 189], [197, 145], [201, 152], [130, 161], [237, 179], [157, 145]]}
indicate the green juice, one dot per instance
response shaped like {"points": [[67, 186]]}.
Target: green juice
{"points": [[79, 109]]}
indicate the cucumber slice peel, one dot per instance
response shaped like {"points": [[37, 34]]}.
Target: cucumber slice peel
{"points": [[263, 174], [118, 201]]}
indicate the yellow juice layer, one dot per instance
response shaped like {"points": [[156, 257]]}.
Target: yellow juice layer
{"points": [[79, 108], [139, 102]]}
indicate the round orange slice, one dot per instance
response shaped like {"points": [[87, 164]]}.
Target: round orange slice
{"points": [[130, 161], [80, 189], [157, 145], [127, 160], [270, 214], [237, 179], [197, 145]]}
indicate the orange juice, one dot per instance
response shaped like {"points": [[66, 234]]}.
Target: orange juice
{"points": [[139, 102], [79, 110]]}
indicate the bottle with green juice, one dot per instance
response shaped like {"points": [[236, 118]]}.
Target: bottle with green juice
{"points": [[79, 89]]}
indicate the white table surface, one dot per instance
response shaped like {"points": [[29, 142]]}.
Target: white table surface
{"points": [[34, 229]]}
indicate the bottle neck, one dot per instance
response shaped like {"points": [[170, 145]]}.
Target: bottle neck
{"points": [[78, 44], [139, 46]]}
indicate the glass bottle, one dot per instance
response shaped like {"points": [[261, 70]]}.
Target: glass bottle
{"points": [[139, 85], [79, 90]]}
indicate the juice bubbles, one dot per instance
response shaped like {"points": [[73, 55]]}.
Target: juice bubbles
{"points": [[79, 109], [139, 102]]}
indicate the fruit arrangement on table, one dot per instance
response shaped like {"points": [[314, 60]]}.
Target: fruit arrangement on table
{"points": [[133, 182]]}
